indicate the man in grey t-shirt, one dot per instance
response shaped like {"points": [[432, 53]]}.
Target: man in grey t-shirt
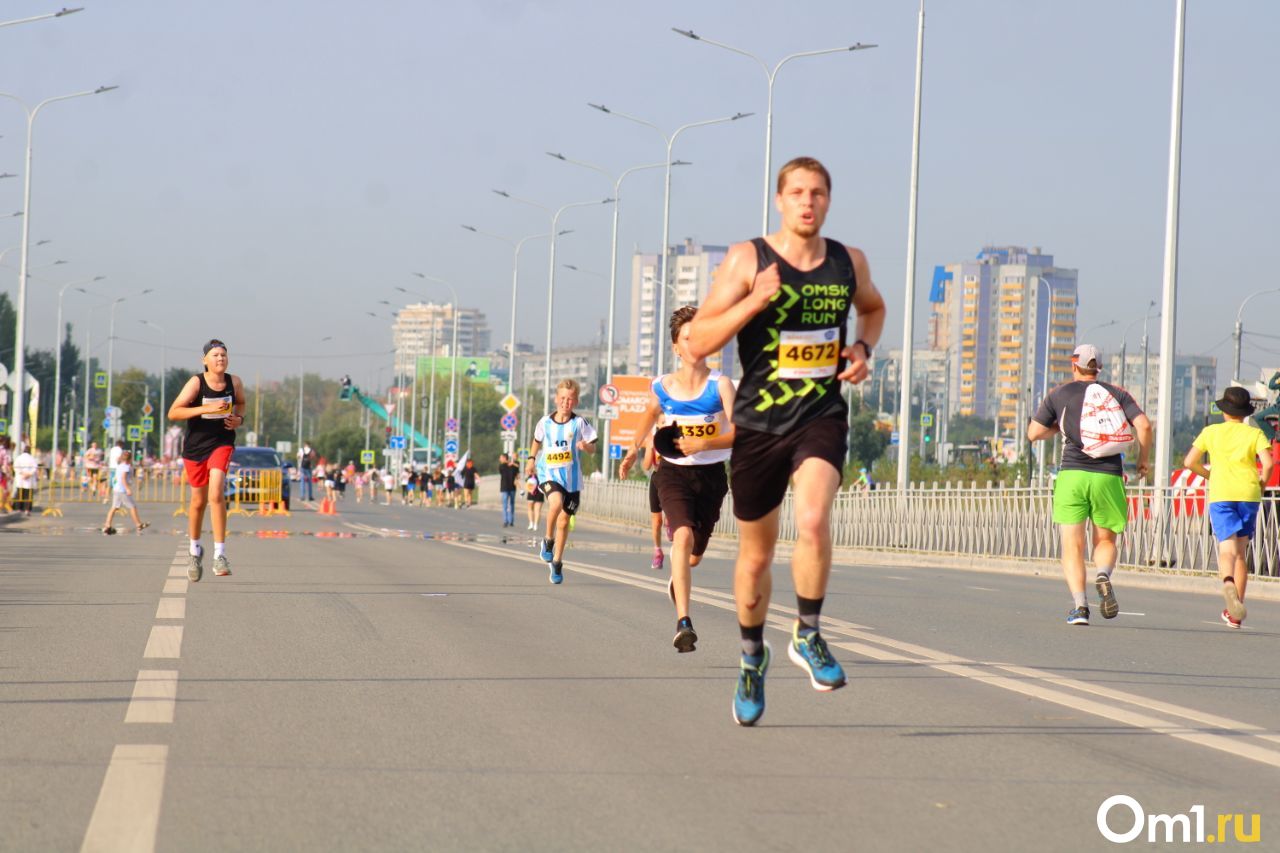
{"points": [[1088, 488]]}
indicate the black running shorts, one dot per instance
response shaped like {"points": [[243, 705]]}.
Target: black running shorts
{"points": [[691, 496], [762, 463], [568, 500], [655, 505]]}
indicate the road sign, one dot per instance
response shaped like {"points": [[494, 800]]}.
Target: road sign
{"points": [[114, 411], [893, 437], [509, 403], [250, 438], [617, 451], [149, 425], [106, 422], [451, 446], [367, 457], [453, 434], [146, 408], [450, 424], [4, 426], [926, 420], [508, 435], [508, 422], [609, 394], [100, 379], [284, 447], [524, 453], [396, 442], [607, 413], [135, 432], [1213, 408]]}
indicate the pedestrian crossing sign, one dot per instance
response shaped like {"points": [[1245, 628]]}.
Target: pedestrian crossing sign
{"points": [[366, 457]]}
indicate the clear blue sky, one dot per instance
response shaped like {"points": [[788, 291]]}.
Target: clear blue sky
{"points": [[274, 169]]}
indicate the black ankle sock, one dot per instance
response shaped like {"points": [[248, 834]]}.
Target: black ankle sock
{"points": [[752, 640], [684, 622], [810, 611]]}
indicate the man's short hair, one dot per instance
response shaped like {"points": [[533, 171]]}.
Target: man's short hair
{"points": [[809, 164], [679, 318], [569, 385]]}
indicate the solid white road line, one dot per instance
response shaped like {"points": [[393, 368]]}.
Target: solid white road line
{"points": [[154, 696], [127, 813], [175, 586], [1223, 734], [172, 608], [165, 642]]}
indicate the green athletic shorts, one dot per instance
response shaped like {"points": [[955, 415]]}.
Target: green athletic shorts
{"points": [[1080, 495]]}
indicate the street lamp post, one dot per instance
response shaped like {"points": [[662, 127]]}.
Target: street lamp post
{"points": [[1124, 342], [19, 357], [164, 366], [613, 275], [666, 211], [111, 347], [1239, 330], [61, 13], [515, 288], [57, 360], [453, 347], [770, 76], [1044, 381], [909, 298]]}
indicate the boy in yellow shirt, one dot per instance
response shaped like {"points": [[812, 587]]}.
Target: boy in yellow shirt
{"points": [[1235, 491]]}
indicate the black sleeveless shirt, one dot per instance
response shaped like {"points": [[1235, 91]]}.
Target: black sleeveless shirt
{"points": [[790, 351], [206, 433]]}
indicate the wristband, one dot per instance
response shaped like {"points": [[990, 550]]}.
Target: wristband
{"points": [[866, 347]]}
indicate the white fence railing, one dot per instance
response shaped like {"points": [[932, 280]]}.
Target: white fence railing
{"points": [[1168, 528]]}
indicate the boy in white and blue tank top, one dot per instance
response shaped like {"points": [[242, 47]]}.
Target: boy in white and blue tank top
{"points": [[558, 439], [694, 404]]}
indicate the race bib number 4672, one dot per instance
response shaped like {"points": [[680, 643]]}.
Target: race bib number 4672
{"points": [[808, 354]]}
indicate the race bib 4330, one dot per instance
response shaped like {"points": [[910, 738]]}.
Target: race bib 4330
{"points": [[808, 354]]}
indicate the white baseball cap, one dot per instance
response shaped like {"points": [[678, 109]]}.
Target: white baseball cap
{"points": [[1087, 358]]}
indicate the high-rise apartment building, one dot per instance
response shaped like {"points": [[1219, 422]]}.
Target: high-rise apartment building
{"points": [[1008, 319], [1195, 382], [416, 325], [690, 268]]}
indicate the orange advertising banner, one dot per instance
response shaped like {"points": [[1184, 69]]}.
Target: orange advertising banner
{"points": [[633, 398]]}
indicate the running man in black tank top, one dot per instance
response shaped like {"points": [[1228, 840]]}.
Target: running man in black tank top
{"points": [[212, 403], [787, 298]]}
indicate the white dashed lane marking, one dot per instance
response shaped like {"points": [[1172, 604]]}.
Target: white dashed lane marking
{"points": [[172, 608], [165, 642], [175, 586], [127, 813], [155, 694]]}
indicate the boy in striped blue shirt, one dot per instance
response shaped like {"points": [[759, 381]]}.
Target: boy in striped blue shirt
{"points": [[558, 439]]}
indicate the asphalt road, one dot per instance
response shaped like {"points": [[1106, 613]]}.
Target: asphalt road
{"points": [[407, 679]]}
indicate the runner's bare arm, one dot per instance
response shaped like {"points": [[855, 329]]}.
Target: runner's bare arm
{"points": [[182, 408], [1037, 431], [1193, 462], [651, 414], [236, 418], [740, 291], [871, 312], [1145, 436]]}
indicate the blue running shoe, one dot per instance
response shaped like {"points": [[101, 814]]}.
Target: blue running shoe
{"points": [[548, 550], [1079, 616], [748, 701], [557, 572], [810, 653]]}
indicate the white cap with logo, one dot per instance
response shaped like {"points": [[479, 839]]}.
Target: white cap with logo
{"points": [[1087, 358]]}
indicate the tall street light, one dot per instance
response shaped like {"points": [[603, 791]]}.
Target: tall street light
{"points": [[164, 364], [61, 13], [19, 357], [1169, 305], [770, 76], [666, 211], [453, 347], [111, 346], [57, 360], [1239, 330], [613, 272], [551, 278], [1124, 342], [515, 288]]}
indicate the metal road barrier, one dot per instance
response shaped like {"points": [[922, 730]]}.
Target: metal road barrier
{"points": [[1167, 528], [249, 491]]}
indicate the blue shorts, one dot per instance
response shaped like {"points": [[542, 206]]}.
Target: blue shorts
{"points": [[1233, 518]]}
